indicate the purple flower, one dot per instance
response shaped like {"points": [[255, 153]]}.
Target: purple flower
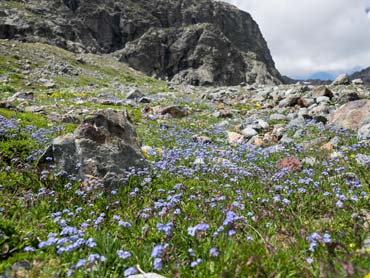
{"points": [[195, 263], [130, 271], [124, 224], [167, 228], [80, 263], [198, 228], [213, 252], [90, 243], [326, 238], [231, 217], [29, 249], [231, 232], [191, 252], [157, 264], [158, 250], [123, 254]]}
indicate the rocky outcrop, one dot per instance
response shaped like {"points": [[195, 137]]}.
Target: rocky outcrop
{"points": [[352, 115], [196, 42], [363, 75], [103, 147]]}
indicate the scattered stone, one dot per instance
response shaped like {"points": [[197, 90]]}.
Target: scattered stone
{"points": [[135, 94], [335, 141], [70, 119], [322, 99], [351, 96], [311, 161], [234, 138], [289, 101], [327, 147], [364, 132], [313, 143], [249, 132], [202, 139], [291, 164], [363, 160], [305, 102], [34, 109], [145, 100], [278, 117], [357, 81], [23, 95], [174, 111], [103, 146], [351, 115], [322, 91], [342, 79], [257, 141]]}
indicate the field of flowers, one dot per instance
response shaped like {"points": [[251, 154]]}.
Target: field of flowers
{"points": [[199, 210]]}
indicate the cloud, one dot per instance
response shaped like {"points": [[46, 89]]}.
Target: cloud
{"points": [[309, 36]]}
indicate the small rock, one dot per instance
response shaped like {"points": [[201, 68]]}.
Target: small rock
{"points": [[342, 79], [202, 139], [328, 147], [135, 94], [322, 99], [256, 141], [311, 161], [289, 101], [249, 132], [305, 102], [290, 163], [363, 160], [278, 117], [145, 100], [174, 111], [364, 132], [335, 141], [351, 96], [234, 138], [34, 109], [322, 91], [357, 81], [49, 85], [23, 95], [278, 132]]}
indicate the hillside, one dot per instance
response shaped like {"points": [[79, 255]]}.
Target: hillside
{"points": [[195, 42], [241, 181]]}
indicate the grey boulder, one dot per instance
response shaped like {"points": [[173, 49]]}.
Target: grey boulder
{"points": [[103, 147]]}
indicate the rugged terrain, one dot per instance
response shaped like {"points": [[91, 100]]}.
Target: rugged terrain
{"points": [[242, 181], [199, 42]]}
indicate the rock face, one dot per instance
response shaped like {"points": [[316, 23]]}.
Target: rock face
{"points": [[342, 79], [363, 75], [196, 41], [103, 146], [352, 115]]}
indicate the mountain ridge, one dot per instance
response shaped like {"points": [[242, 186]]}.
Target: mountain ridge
{"points": [[108, 26]]}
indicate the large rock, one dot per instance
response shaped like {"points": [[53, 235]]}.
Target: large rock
{"points": [[342, 79], [361, 77], [103, 146], [351, 115], [193, 41]]}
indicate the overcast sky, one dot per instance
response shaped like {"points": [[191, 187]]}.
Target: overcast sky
{"points": [[308, 36]]}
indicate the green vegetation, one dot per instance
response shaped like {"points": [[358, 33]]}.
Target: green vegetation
{"points": [[201, 210]]}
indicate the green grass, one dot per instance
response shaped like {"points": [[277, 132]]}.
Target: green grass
{"points": [[187, 184]]}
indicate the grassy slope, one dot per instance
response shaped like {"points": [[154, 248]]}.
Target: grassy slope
{"points": [[275, 213]]}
